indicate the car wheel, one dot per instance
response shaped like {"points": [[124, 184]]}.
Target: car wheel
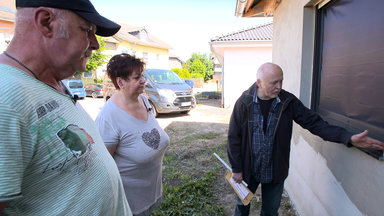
{"points": [[153, 110], [94, 95]]}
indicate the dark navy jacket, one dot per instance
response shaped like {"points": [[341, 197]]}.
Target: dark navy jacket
{"points": [[240, 133]]}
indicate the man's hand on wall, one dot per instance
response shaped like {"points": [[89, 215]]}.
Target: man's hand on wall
{"points": [[364, 141]]}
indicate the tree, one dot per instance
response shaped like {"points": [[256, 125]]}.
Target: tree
{"points": [[183, 73], [205, 60], [197, 69], [97, 59]]}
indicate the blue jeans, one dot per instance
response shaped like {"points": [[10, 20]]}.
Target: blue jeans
{"points": [[270, 199]]}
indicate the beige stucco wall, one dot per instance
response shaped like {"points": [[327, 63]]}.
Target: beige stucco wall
{"points": [[157, 57], [325, 178], [173, 63]]}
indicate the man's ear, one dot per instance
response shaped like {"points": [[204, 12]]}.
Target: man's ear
{"points": [[258, 82], [43, 18]]}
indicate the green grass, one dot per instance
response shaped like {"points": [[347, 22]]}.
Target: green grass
{"points": [[191, 197], [193, 179], [189, 176], [205, 136]]}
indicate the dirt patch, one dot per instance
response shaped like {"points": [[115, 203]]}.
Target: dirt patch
{"points": [[194, 139]]}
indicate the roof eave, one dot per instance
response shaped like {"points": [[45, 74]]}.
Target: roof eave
{"points": [[241, 44], [141, 43], [256, 8]]}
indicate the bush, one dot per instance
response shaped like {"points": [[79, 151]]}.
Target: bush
{"points": [[205, 72], [197, 69], [183, 73]]}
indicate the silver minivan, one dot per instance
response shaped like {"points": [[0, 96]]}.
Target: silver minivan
{"points": [[167, 92]]}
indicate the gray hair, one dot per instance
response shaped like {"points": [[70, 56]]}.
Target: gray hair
{"points": [[63, 24], [24, 21]]}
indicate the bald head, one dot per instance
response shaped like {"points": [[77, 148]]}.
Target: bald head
{"points": [[268, 69], [269, 81]]}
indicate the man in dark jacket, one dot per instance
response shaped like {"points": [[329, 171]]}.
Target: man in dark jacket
{"points": [[260, 132]]}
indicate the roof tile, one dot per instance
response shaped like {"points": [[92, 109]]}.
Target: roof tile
{"points": [[259, 33], [124, 34]]}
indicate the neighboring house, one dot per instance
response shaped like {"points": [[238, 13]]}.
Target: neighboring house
{"points": [[240, 54], [111, 45], [332, 55], [7, 22], [132, 40], [217, 68], [175, 62], [139, 42]]}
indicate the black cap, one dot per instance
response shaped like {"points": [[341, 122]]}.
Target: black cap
{"points": [[83, 8]]}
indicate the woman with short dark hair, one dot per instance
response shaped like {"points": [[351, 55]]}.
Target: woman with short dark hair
{"points": [[132, 135]]}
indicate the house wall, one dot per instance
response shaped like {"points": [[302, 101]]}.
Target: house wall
{"points": [[6, 33], [175, 63], [325, 178], [6, 26], [4, 38], [157, 57], [240, 67], [160, 61]]}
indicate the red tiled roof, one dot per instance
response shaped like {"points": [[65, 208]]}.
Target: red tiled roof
{"points": [[259, 33]]}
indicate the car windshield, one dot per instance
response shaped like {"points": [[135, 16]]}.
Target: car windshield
{"points": [[164, 76], [75, 84]]}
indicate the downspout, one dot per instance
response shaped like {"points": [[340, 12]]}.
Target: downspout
{"points": [[222, 74]]}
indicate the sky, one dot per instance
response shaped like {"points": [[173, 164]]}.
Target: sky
{"points": [[186, 25]]}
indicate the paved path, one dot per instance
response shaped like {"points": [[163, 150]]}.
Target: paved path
{"points": [[92, 106], [206, 111]]}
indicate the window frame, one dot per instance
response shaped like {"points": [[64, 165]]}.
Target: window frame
{"points": [[352, 125], [87, 75]]}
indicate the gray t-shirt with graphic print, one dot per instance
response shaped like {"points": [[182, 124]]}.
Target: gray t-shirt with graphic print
{"points": [[139, 154]]}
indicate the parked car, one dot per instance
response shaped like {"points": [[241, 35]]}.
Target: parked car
{"points": [[165, 90], [76, 87], [94, 90], [189, 82]]}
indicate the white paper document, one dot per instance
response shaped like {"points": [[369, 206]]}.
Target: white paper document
{"points": [[243, 192]]}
